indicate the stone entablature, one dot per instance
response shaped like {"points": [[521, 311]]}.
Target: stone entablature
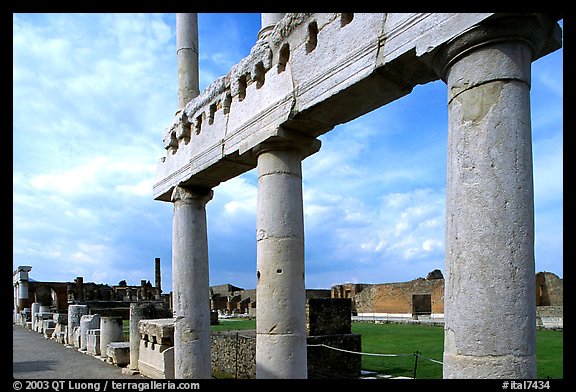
{"points": [[285, 83]]}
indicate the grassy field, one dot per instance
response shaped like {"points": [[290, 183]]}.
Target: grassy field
{"points": [[428, 341]]}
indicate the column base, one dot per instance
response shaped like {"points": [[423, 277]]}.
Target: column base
{"points": [[281, 356], [489, 367]]}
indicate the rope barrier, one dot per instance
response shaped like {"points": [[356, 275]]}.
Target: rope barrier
{"points": [[375, 354], [430, 359], [356, 352]]}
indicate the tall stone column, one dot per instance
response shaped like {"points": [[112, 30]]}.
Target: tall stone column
{"points": [[490, 310], [280, 292], [190, 283], [187, 54]]}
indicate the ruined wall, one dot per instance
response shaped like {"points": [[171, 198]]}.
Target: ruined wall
{"points": [[549, 289], [233, 353], [52, 294], [398, 297], [327, 316]]}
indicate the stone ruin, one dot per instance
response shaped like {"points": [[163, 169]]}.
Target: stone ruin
{"points": [[309, 72], [88, 317]]}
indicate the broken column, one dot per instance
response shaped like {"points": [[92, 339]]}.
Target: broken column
{"points": [[110, 331], [75, 312], [489, 292], [190, 283], [87, 322], [141, 311], [35, 309], [280, 293]]}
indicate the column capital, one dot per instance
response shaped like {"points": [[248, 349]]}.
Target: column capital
{"points": [[539, 31], [191, 194], [286, 139]]}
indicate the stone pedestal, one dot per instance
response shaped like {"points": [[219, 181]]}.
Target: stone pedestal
{"points": [[190, 283], [280, 294], [93, 342], [489, 291], [118, 353]]}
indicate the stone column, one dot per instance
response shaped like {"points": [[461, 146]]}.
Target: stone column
{"points": [[157, 277], [87, 322], [35, 309], [21, 281], [110, 331], [75, 313], [268, 20], [187, 53], [190, 283], [280, 293], [490, 311], [138, 311]]}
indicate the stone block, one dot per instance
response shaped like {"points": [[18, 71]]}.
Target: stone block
{"points": [[325, 362], [60, 318], [119, 353], [156, 360], [326, 316], [156, 351], [157, 331], [93, 342]]}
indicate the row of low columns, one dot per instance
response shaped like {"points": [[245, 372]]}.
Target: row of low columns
{"points": [[489, 290]]}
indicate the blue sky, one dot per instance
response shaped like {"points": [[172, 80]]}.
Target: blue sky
{"points": [[92, 95]]}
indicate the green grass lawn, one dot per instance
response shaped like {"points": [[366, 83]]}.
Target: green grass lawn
{"points": [[234, 324], [429, 341]]}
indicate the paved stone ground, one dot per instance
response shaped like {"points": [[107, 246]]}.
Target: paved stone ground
{"points": [[35, 357]]}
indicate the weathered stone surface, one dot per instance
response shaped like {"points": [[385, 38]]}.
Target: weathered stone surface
{"points": [[110, 331], [143, 311], [75, 312], [330, 362], [375, 59], [157, 331], [87, 322], [490, 199], [328, 316], [93, 342], [234, 353], [118, 353]]}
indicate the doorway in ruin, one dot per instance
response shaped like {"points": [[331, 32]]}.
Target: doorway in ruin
{"points": [[421, 305]]}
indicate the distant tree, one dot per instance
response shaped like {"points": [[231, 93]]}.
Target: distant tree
{"points": [[122, 283]]}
